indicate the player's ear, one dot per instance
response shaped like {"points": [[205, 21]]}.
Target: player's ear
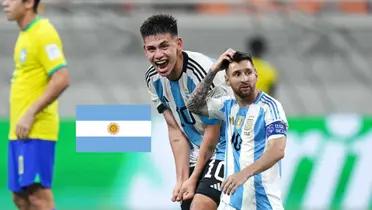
{"points": [[227, 79], [255, 73], [180, 42], [29, 4]]}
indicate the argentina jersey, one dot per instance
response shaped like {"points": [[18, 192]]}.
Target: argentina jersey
{"points": [[248, 129], [174, 94]]}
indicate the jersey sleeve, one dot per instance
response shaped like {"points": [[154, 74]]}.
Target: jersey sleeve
{"points": [[155, 89], [216, 102], [275, 120], [50, 51]]}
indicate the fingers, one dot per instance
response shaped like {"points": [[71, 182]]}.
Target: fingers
{"points": [[21, 132], [224, 60], [229, 186], [179, 196], [228, 54], [187, 195], [176, 195]]}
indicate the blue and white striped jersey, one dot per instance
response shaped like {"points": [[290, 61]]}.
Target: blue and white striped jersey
{"points": [[248, 129], [174, 94]]}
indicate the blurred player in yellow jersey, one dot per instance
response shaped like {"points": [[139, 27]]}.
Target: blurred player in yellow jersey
{"points": [[267, 74], [40, 76]]}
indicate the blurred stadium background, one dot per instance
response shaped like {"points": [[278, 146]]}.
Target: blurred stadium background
{"points": [[322, 51]]}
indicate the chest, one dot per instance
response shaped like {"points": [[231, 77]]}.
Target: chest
{"points": [[25, 52], [246, 126]]}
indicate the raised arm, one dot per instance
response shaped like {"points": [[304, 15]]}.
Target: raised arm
{"points": [[197, 101], [181, 149]]}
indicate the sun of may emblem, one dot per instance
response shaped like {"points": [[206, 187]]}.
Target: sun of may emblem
{"points": [[113, 128]]}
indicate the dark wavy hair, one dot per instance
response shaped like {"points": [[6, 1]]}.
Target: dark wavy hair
{"points": [[159, 24]]}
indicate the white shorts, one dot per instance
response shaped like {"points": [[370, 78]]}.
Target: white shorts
{"points": [[225, 206]]}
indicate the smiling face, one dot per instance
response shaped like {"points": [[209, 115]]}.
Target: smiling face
{"points": [[164, 51], [242, 78]]}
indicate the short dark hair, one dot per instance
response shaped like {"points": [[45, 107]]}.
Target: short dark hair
{"points": [[36, 5], [240, 56], [159, 24]]}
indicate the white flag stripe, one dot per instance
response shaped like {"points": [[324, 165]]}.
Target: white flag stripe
{"points": [[101, 129]]}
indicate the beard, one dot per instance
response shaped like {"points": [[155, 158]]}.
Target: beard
{"points": [[244, 93]]}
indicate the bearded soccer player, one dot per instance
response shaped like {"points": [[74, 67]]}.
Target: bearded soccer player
{"points": [[256, 128]]}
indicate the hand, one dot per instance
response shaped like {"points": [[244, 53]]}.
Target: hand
{"points": [[234, 181], [24, 125], [177, 195], [227, 55], [188, 188]]}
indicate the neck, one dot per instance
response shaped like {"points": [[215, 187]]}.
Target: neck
{"points": [[178, 67], [26, 19], [247, 100]]}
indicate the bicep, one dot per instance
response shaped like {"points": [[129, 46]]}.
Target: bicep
{"points": [[277, 145], [60, 78]]}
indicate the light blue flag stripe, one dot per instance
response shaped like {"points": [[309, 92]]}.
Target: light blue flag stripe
{"points": [[117, 144], [113, 112]]}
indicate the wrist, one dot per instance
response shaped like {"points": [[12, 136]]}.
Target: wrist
{"points": [[194, 178], [181, 178], [248, 173], [31, 111]]}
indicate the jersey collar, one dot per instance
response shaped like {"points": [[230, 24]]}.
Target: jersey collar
{"points": [[32, 23]]}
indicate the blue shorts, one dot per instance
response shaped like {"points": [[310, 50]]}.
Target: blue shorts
{"points": [[30, 161]]}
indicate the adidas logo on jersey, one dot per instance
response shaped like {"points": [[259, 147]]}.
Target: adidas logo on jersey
{"points": [[216, 186]]}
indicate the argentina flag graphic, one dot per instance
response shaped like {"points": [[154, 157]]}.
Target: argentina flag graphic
{"points": [[113, 128]]}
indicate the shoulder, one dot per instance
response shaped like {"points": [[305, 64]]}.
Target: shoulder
{"points": [[151, 75], [270, 104], [46, 28], [199, 60], [46, 33]]}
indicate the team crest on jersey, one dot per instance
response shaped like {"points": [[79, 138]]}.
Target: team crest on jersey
{"points": [[239, 122], [22, 55], [248, 128], [231, 120]]}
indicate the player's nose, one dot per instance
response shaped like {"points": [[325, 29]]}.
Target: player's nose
{"points": [[158, 53]]}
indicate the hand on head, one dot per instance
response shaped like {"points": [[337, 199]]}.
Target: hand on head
{"points": [[223, 61]]}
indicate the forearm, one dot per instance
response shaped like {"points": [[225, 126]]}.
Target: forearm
{"points": [[180, 149], [205, 153], [198, 98], [56, 85], [270, 157], [207, 148]]}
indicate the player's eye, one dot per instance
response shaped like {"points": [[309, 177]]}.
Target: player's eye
{"points": [[164, 47], [150, 49]]}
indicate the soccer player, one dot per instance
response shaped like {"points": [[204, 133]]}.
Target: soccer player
{"points": [[256, 129], [40, 76], [172, 77]]}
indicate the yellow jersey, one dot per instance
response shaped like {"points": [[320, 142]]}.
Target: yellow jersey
{"points": [[37, 55], [267, 75]]}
